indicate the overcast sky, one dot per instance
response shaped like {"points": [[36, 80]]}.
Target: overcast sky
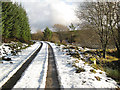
{"points": [[44, 13]]}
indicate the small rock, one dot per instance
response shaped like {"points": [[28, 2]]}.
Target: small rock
{"points": [[6, 58], [11, 62], [84, 81], [106, 80]]}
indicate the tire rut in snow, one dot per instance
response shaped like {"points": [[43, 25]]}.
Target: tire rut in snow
{"points": [[13, 80], [52, 75]]}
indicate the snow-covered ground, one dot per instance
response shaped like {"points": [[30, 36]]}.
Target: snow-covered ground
{"points": [[7, 69], [35, 75], [70, 79], [5, 48]]}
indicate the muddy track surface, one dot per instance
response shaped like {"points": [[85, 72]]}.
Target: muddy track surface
{"points": [[52, 81], [13, 80]]}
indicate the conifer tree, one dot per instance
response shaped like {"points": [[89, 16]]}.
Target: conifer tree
{"points": [[0, 22], [15, 22], [7, 18], [47, 34]]}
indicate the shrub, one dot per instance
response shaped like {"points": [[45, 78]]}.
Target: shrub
{"points": [[115, 74]]}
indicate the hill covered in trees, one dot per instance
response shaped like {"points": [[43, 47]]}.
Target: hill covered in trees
{"points": [[15, 24]]}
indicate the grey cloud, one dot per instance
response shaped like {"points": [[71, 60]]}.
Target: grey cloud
{"points": [[46, 13]]}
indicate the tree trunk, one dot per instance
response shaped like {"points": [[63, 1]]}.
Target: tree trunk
{"points": [[118, 52], [60, 41], [118, 49], [104, 50], [71, 39], [104, 53]]}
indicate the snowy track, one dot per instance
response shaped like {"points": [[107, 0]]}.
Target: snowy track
{"points": [[35, 75], [52, 75], [19, 67]]}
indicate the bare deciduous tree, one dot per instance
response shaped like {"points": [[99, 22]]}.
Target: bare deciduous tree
{"points": [[115, 23], [100, 15], [38, 35], [61, 31]]}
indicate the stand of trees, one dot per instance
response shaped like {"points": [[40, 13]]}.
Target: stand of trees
{"points": [[0, 22], [38, 35], [15, 22], [104, 17]]}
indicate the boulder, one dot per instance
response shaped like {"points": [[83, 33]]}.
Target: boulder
{"points": [[6, 58]]}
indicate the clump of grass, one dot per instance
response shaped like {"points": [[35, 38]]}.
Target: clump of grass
{"points": [[82, 59], [93, 71], [85, 53], [108, 59], [64, 44], [58, 44], [73, 65], [72, 47], [86, 63], [83, 47], [77, 48], [111, 50], [98, 78], [81, 51], [78, 70], [76, 61], [75, 55], [90, 52], [100, 72], [92, 58], [97, 67], [66, 47]]}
